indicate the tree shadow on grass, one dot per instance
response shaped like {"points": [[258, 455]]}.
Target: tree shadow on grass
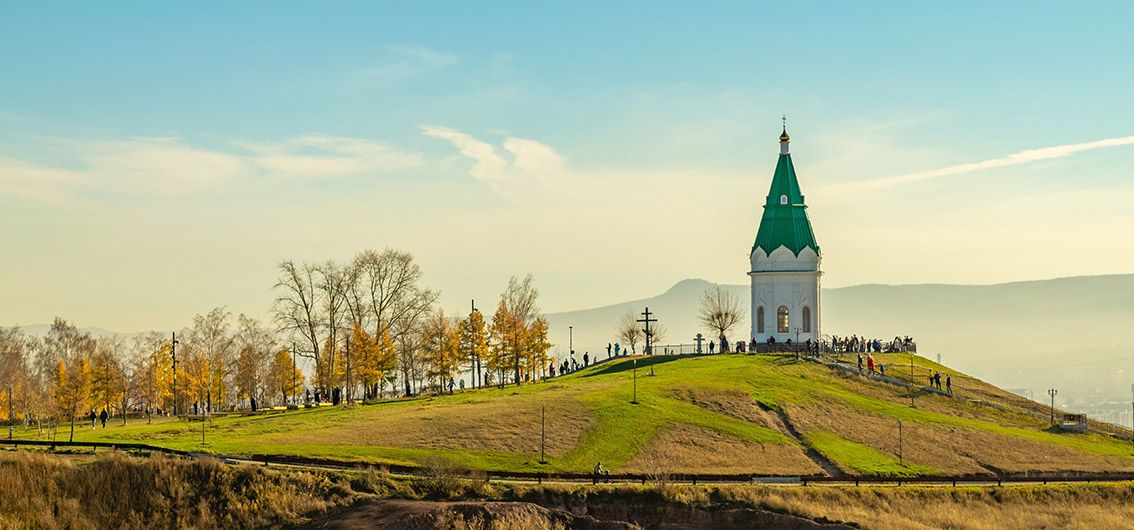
{"points": [[646, 361]]}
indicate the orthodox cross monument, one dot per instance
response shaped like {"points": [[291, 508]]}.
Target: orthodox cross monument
{"points": [[784, 262]]}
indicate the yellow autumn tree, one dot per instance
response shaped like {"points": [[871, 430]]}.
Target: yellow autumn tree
{"points": [[441, 341], [374, 360], [502, 333], [474, 344], [284, 378], [537, 345], [72, 390]]}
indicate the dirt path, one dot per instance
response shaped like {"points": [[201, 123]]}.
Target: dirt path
{"points": [[785, 426]]}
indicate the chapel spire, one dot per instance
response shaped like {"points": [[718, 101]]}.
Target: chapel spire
{"points": [[784, 138]]}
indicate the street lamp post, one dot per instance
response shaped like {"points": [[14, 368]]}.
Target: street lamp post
{"points": [[1052, 392], [294, 367], [571, 344], [635, 401], [542, 432], [173, 345]]}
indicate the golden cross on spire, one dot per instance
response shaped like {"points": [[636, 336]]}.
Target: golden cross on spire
{"points": [[784, 118]]}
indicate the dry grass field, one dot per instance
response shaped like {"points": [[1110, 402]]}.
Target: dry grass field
{"points": [[113, 490]]}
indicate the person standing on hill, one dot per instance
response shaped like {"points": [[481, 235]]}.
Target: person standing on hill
{"points": [[586, 359], [608, 346], [860, 363], [870, 363], [949, 384]]}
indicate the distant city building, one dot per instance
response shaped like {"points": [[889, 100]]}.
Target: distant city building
{"points": [[785, 262]]}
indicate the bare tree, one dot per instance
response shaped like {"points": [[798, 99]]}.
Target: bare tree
{"points": [[14, 371], [397, 304], [256, 346], [629, 332], [296, 309], [397, 301], [520, 300], [213, 349], [63, 343], [720, 310], [332, 284], [357, 304], [149, 360]]}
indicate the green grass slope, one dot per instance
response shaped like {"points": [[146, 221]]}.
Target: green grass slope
{"points": [[711, 414]]}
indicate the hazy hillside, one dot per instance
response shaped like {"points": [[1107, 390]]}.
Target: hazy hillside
{"points": [[1067, 333]]}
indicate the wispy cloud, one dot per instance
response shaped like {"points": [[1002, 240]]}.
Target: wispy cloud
{"points": [[172, 166], [1021, 157], [407, 61], [319, 155], [138, 165], [533, 164]]}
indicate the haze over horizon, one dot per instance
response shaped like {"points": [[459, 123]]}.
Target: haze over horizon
{"points": [[159, 161]]}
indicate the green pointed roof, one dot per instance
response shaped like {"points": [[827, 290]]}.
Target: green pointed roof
{"points": [[785, 224]]}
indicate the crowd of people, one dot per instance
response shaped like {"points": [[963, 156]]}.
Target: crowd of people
{"points": [[859, 344]]}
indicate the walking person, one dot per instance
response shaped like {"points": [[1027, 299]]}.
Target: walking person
{"points": [[949, 384], [93, 417], [597, 473], [103, 417]]}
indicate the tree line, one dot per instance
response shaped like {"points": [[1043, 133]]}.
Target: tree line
{"points": [[369, 327]]}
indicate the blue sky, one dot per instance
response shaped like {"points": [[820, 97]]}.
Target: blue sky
{"points": [[196, 145]]}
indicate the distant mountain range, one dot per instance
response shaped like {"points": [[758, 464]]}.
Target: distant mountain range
{"points": [[40, 330], [1067, 333]]}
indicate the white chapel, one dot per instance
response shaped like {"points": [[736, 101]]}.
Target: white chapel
{"points": [[784, 261]]}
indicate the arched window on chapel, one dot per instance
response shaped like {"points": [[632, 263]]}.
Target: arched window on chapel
{"points": [[806, 319], [782, 322], [759, 319]]}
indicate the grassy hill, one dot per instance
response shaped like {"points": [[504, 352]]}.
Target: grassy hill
{"points": [[1065, 333], [714, 414]]}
